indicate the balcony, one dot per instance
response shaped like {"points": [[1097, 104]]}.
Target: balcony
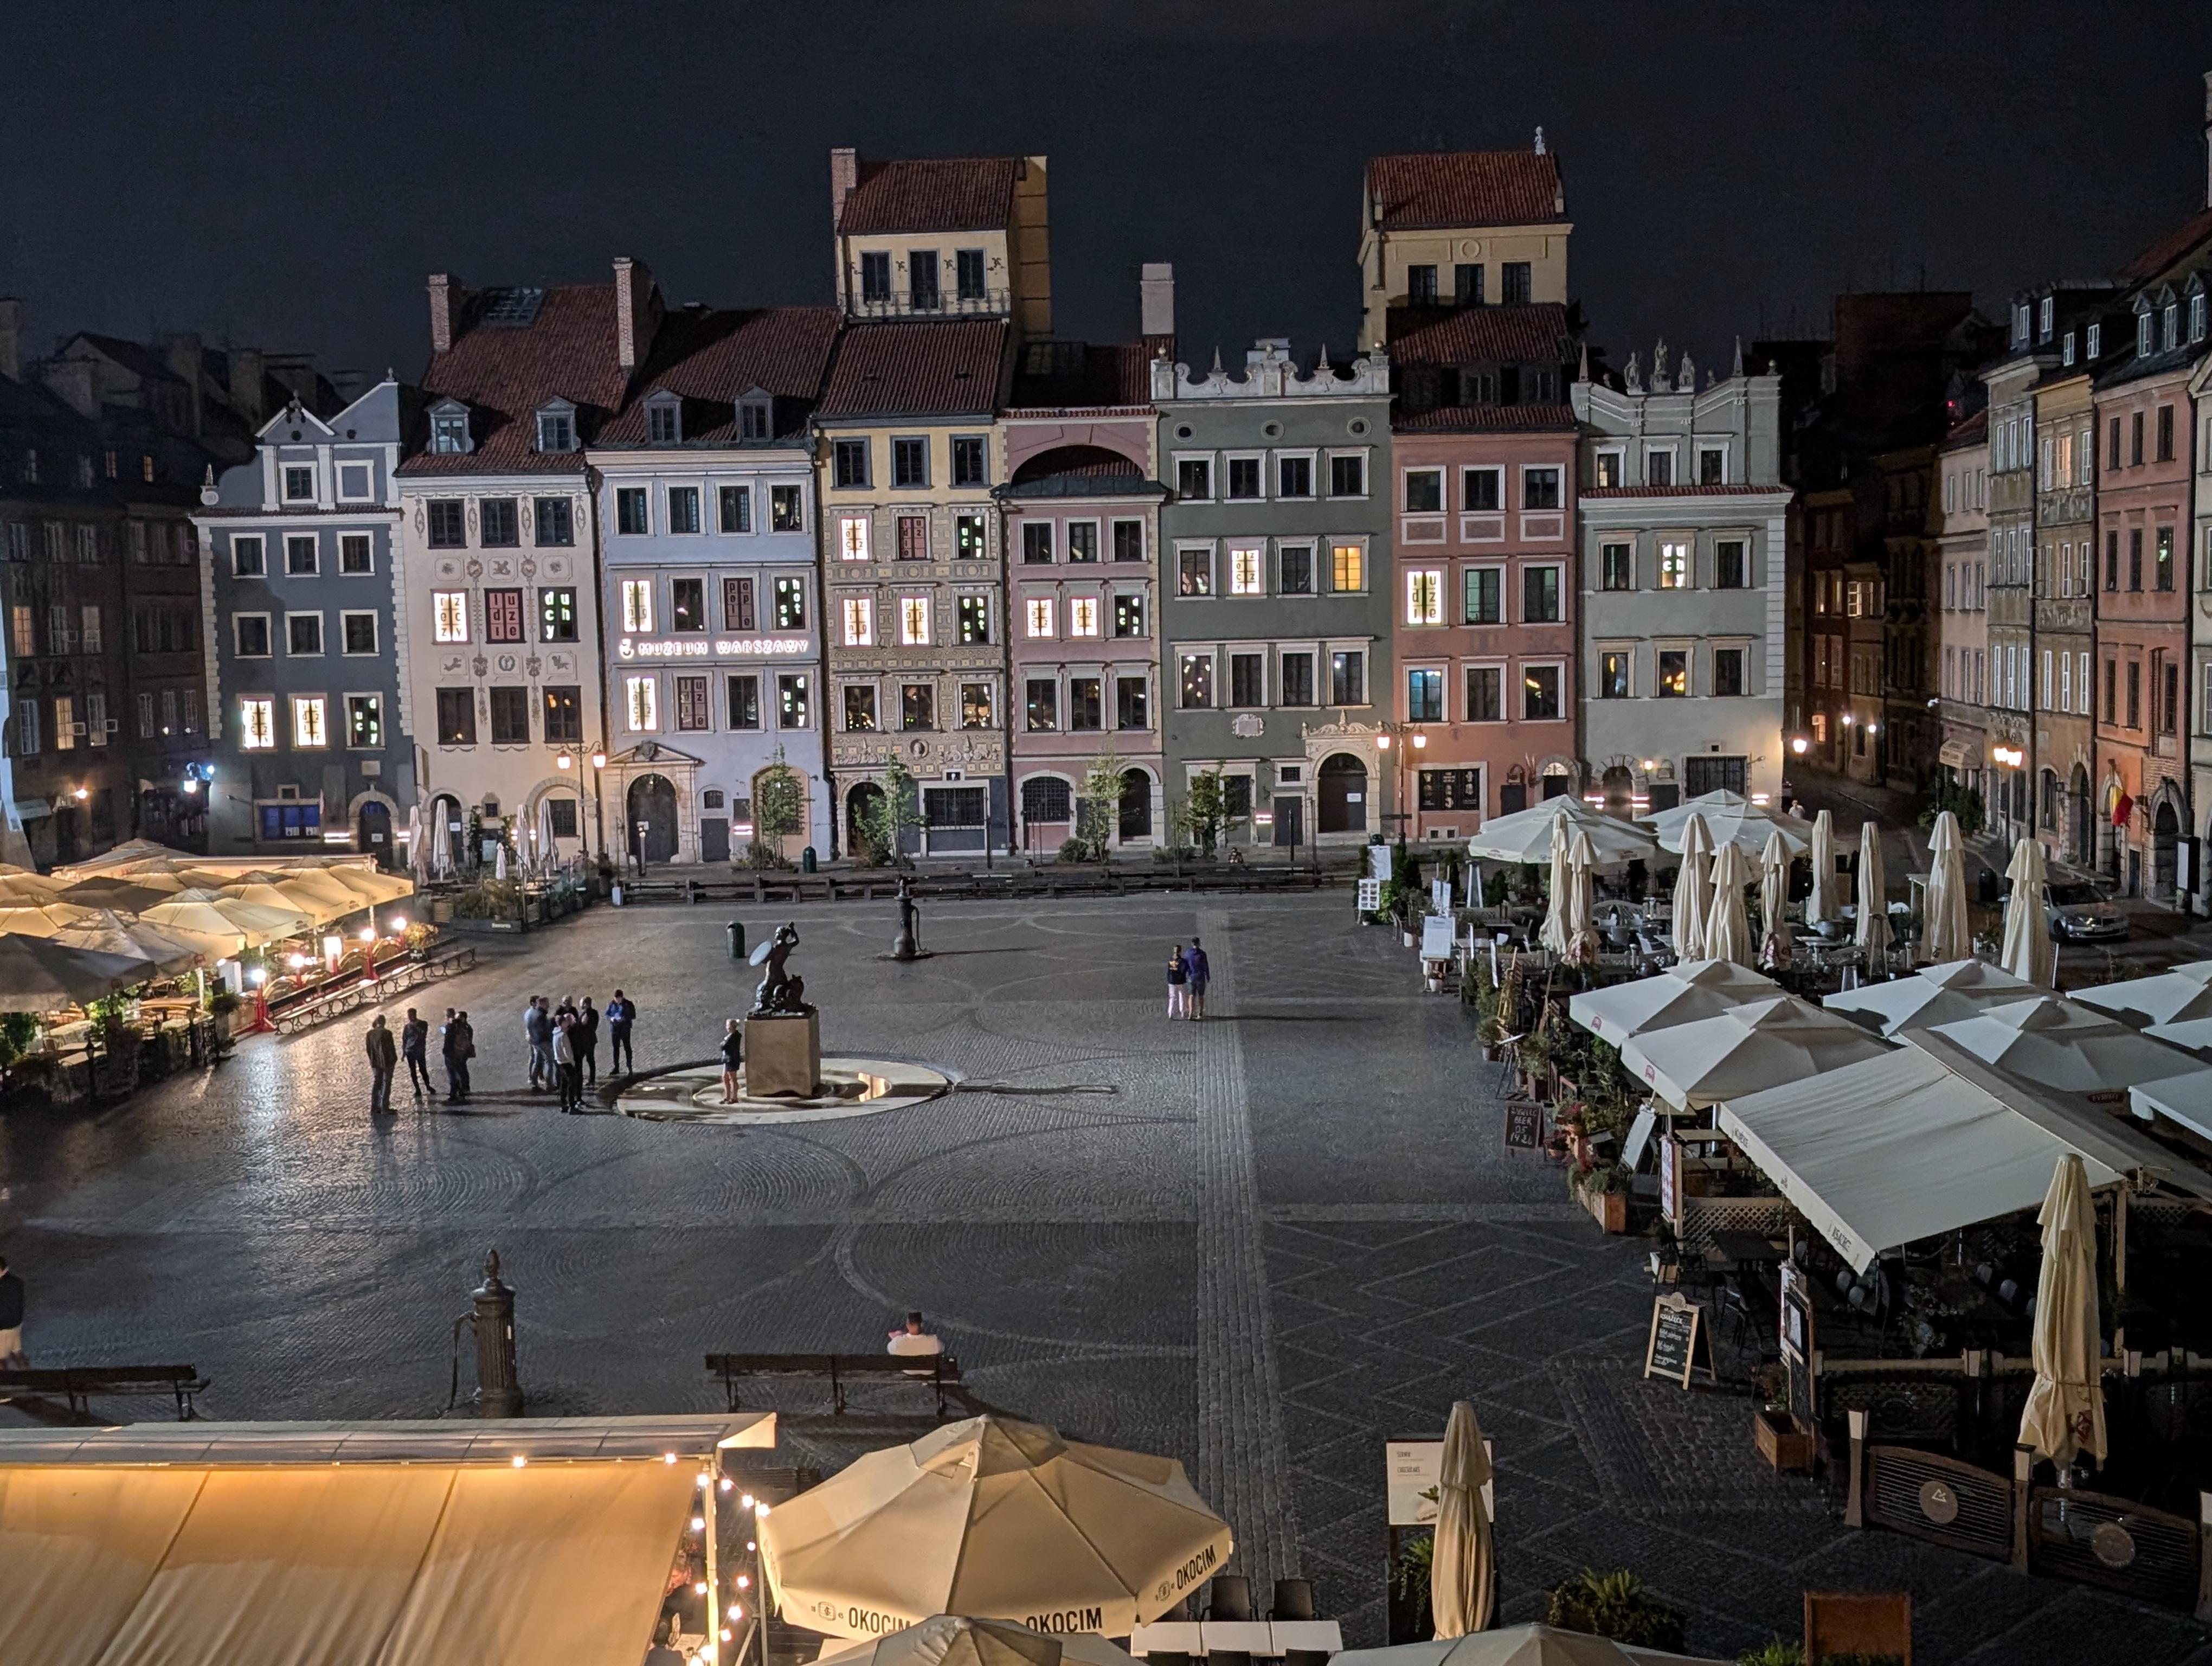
{"points": [[988, 303]]}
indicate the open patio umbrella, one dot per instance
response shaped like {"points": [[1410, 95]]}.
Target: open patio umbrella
{"points": [[309, 910], [1525, 836], [1727, 931], [39, 975], [1872, 933], [947, 1639], [223, 925], [1731, 818], [1462, 1583], [126, 895], [317, 881], [995, 1519], [1686, 991], [1933, 994], [2051, 1043], [1757, 1045], [22, 888], [1825, 903], [2028, 950], [40, 918], [1693, 887], [108, 933], [1945, 935], [2180, 995], [371, 886], [1774, 947], [1518, 1645], [2065, 1412]]}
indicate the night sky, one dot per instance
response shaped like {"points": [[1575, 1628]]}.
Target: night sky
{"points": [[285, 176]]}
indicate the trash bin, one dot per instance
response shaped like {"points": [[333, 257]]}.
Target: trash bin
{"points": [[615, 895], [1989, 885], [806, 861], [737, 940]]}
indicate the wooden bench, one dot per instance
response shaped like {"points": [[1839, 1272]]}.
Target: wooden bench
{"points": [[940, 1371], [77, 1384]]}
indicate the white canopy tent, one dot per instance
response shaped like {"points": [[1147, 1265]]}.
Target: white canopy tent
{"points": [[2184, 1100], [1757, 1045], [1731, 818], [1933, 995], [2176, 996], [1685, 992], [1526, 834], [2065, 1048]]}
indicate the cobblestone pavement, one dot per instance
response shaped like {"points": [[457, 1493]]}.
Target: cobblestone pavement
{"points": [[1264, 1244]]}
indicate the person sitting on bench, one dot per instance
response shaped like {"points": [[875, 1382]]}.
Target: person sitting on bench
{"points": [[912, 1339]]}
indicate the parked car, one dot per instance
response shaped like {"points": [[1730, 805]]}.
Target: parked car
{"points": [[2077, 912]]}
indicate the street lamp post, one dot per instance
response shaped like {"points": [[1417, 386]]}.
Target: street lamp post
{"points": [[1417, 740], [599, 803]]}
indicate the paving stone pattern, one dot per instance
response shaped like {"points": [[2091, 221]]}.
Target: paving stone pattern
{"points": [[1264, 1244]]}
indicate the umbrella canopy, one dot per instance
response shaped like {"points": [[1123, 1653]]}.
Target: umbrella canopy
{"points": [[40, 976], [223, 926], [1732, 819], [1825, 902], [1727, 930], [1946, 935], [1759, 1044], [1518, 1645], [20, 888], [368, 884], [1774, 947], [40, 919], [109, 932], [123, 895], [2028, 950], [1683, 993], [996, 1519], [1526, 834], [2061, 1048], [1873, 933], [1463, 1587], [1933, 994], [304, 883], [2065, 1411], [303, 910], [126, 856], [952, 1640], [1693, 888], [2178, 996]]}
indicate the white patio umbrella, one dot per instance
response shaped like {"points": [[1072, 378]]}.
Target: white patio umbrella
{"points": [[1462, 1581], [1519, 1645], [40, 919], [1526, 834], [1944, 935], [995, 1519], [1683, 993], [947, 1639], [1570, 928], [108, 933], [1759, 1044], [1872, 933], [2028, 950], [1727, 931], [1774, 948], [1825, 903], [418, 853], [2180, 995], [1933, 994], [1553, 934], [1731, 819], [1692, 889], [499, 862], [2049, 1042], [2065, 1415]]}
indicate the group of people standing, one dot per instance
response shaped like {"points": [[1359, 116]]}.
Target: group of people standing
{"points": [[564, 1049], [1189, 973], [456, 1044]]}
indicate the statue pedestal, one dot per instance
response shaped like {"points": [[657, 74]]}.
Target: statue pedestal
{"points": [[783, 1055]]}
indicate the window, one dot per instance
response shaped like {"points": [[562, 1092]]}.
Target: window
{"points": [[1129, 616], [90, 634], [1674, 674], [1425, 697], [2135, 557], [497, 522], [448, 523], [968, 274], [1046, 799], [88, 539], [358, 632], [859, 613], [1482, 597], [1617, 566], [918, 706], [1424, 490], [1347, 678], [1196, 682], [1041, 705], [794, 702], [299, 557], [1294, 477], [1036, 542], [663, 422], [2165, 434], [1712, 466], [298, 485], [1294, 570], [968, 538], [849, 464], [974, 619], [859, 709], [2135, 439], [1248, 679], [1128, 540], [968, 468], [556, 614], [921, 280], [691, 702], [354, 554], [913, 621], [1539, 693], [1513, 285], [1247, 565], [1347, 567], [1539, 595], [1673, 564], [1083, 615], [975, 706], [1083, 540], [641, 703], [1295, 672], [257, 722], [2111, 560], [1194, 476], [556, 431], [1539, 489], [1467, 285], [913, 537], [1347, 476], [1659, 468], [1727, 671], [687, 605], [1421, 286], [449, 432], [65, 723], [1424, 598], [638, 606], [502, 615], [910, 462], [683, 508], [22, 632], [303, 634], [790, 604], [192, 710], [510, 717], [876, 276], [457, 717], [1195, 572], [1486, 697], [853, 538], [1613, 674], [564, 714], [1243, 476], [2162, 560], [1040, 615], [786, 509], [250, 630], [632, 516], [2135, 694], [744, 703], [1728, 570], [1482, 488], [556, 523], [1132, 703]]}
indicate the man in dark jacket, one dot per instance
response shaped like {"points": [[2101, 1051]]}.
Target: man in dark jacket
{"points": [[586, 1039], [11, 1320], [414, 1047], [622, 1013], [383, 1060]]}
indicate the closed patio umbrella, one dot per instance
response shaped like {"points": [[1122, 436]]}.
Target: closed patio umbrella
{"points": [[418, 852], [2065, 1413], [1691, 886], [1727, 931], [1554, 932], [1463, 1585], [1582, 897], [1774, 948], [947, 1639], [1872, 933], [1825, 902], [2028, 951], [38, 975], [1944, 936]]}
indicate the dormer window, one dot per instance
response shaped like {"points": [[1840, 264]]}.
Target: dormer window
{"points": [[449, 428], [2172, 325], [2196, 323], [557, 427], [2066, 348], [753, 419], [2019, 324], [2043, 323], [2093, 341], [2142, 330]]}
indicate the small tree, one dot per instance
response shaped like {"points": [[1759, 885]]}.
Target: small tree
{"points": [[1098, 810], [884, 823], [1206, 815], [779, 810]]}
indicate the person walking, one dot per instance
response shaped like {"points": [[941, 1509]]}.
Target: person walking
{"points": [[733, 1055], [1199, 972], [450, 1037], [12, 1356], [621, 1014], [414, 1047], [569, 1073], [587, 1040], [465, 1051], [537, 1028], [383, 1061], [1178, 984]]}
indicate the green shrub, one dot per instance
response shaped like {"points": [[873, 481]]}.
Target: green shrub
{"points": [[17, 1032], [1775, 1652], [1616, 1605]]}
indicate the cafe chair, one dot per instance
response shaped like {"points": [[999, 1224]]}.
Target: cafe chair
{"points": [[1230, 1597], [1294, 1600]]}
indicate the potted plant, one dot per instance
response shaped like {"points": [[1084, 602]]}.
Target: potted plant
{"points": [[1781, 1439], [1616, 1605], [1600, 1188]]}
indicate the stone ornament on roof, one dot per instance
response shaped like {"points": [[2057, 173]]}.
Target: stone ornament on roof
{"points": [[1270, 373], [1632, 377]]}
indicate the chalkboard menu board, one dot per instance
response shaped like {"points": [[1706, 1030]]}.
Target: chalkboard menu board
{"points": [[1677, 1328], [1524, 1125]]}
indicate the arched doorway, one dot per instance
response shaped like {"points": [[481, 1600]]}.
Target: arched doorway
{"points": [[862, 806], [2165, 837], [1618, 785], [371, 831], [653, 803], [1342, 786], [1136, 821], [2081, 841]]}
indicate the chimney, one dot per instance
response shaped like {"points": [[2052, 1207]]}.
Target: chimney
{"points": [[1155, 287], [638, 311], [248, 397], [11, 338], [183, 353], [445, 311], [844, 174]]}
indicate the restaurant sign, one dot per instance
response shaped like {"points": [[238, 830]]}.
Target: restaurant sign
{"points": [[722, 647]]}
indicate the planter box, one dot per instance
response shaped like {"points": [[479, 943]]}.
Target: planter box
{"points": [[1782, 1443], [1608, 1209]]}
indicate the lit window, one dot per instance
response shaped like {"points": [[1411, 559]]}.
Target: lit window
{"points": [[1083, 615], [913, 621], [853, 538], [638, 604], [1424, 598], [859, 622], [1673, 565], [1040, 616], [1674, 674], [1244, 570], [449, 615], [1348, 566], [642, 700], [257, 723], [309, 715]]}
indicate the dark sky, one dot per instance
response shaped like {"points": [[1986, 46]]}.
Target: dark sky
{"points": [[285, 176]]}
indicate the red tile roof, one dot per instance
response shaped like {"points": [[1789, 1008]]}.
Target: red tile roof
{"points": [[1456, 188], [565, 351], [1078, 375], [2176, 244], [950, 193], [714, 357], [1489, 419], [948, 369], [1533, 334]]}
